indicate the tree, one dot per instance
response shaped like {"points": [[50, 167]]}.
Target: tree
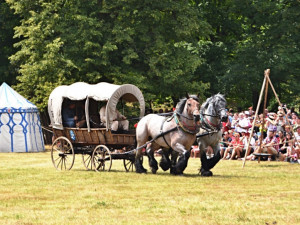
{"points": [[7, 23], [249, 38], [150, 44]]}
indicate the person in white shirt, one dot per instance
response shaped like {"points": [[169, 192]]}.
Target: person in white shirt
{"points": [[243, 124], [119, 121]]}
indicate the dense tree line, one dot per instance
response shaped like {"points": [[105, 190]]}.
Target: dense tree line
{"points": [[164, 47]]}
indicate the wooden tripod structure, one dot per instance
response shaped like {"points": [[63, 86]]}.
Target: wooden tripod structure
{"points": [[264, 87]]}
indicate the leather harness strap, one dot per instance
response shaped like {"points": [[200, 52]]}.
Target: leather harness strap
{"points": [[161, 132]]}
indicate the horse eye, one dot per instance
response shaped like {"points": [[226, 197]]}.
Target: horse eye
{"points": [[189, 104]]}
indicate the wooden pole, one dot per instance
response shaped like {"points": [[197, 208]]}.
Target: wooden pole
{"points": [[255, 118], [267, 73]]}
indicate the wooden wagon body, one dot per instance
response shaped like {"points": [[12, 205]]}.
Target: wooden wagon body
{"points": [[98, 146]]}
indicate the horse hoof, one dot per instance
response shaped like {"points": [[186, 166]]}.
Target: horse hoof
{"points": [[206, 173], [141, 170], [153, 170]]}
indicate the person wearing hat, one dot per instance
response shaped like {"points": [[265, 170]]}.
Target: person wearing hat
{"points": [[281, 121], [271, 121]]}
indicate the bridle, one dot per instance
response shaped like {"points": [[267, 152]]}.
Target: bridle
{"points": [[207, 123]]}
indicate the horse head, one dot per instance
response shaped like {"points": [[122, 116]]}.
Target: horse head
{"points": [[214, 107], [192, 107], [220, 105]]}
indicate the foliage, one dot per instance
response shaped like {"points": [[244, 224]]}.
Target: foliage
{"points": [[150, 44], [164, 47], [7, 23], [250, 38]]}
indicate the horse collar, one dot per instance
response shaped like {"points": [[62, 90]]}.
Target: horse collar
{"points": [[210, 123], [186, 128]]}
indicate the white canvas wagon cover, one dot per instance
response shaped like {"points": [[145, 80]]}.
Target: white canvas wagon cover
{"points": [[99, 92]]}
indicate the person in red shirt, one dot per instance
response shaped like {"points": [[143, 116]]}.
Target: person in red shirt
{"points": [[234, 144]]}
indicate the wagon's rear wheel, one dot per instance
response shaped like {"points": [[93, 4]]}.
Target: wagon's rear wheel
{"points": [[129, 164], [87, 160], [62, 154], [101, 158]]}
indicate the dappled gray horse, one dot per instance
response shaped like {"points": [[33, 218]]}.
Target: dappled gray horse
{"points": [[177, 132], [213, 113]]}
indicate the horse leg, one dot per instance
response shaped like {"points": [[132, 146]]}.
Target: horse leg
{"points": [[152, 160], [208, 164], [174, 156], [165, 162], [139, 163], [183, 159]]}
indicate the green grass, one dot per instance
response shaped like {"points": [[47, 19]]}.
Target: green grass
{"points": [[33, 192]]}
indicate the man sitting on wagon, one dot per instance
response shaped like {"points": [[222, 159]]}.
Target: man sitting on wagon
{"points": [[119, 121]]}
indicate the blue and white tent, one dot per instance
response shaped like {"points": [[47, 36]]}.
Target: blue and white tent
{"points": [[20, 126]]}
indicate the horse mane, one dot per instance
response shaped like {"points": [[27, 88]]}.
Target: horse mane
{"points": [[180, 105]]}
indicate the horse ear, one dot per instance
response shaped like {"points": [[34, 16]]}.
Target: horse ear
{"points": [[187, 95], [198, 95]]}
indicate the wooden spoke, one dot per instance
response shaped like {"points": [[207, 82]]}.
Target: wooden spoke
{"points": [[87, 161]]}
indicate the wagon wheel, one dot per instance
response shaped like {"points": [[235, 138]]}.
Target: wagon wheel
{"points": [[87, 160], [129, 164], [101, 158], [62, 154]]}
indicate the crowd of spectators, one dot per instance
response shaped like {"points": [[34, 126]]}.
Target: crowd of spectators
{"points": [[275, 136]]}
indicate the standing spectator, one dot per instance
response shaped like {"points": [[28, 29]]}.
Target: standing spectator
{"points": [[281, 121], [235, 120], [271, 122], [243, 124]]}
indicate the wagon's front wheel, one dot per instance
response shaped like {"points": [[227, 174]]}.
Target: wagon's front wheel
{"points": [[101, 158], [62, 154]]}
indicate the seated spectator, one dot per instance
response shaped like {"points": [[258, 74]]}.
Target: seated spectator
{"points": [[119, 121], [297, 141], [235, 143], [226, 139], [240, 152], [269, 146]]}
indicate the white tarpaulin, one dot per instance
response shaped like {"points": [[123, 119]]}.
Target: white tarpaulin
{"points": [[99, 92], [20, 126]]}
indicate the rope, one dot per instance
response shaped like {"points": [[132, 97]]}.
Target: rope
{"points": [[46, 129]]}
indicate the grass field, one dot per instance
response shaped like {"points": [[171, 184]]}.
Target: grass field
{"points": [[33, 192]]}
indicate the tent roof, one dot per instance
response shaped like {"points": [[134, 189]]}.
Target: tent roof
{"points": [[99, 92], [12, 101]]}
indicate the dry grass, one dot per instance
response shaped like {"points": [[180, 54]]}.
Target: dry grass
{"points": [[33, 192]]}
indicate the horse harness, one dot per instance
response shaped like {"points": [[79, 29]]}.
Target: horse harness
{"points": [[179, 125]]}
